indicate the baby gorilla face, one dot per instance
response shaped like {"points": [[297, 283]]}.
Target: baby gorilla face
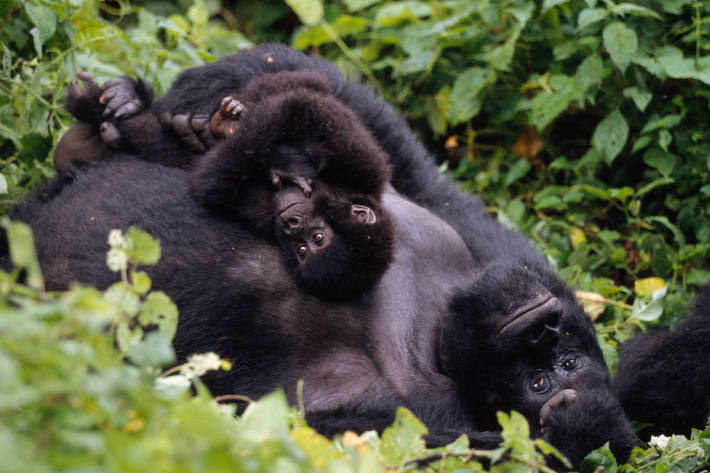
{"points": [[336, 244]]}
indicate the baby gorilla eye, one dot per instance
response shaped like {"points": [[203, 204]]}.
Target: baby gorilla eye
{"points": [[569, 365], [301, 249], [318, 237], [539, 384]]}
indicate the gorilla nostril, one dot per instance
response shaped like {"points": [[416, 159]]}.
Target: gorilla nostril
{"points": [[562, 398]]}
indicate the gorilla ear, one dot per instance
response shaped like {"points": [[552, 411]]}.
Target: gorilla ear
{"points": [[363, 214]]}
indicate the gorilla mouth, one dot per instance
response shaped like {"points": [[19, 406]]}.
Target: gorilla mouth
{"points": [[527, 315], [562, 398]]}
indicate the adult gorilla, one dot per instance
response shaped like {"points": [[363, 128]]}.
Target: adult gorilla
{"points": [[467, 320]]}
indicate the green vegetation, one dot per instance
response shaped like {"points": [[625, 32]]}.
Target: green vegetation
{"points": [[584, 123]]}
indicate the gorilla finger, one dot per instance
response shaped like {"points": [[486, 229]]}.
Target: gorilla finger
{"points": [[181, 125], [166, 119], [128, 109], [201, 125], [86, 79], [74, 89], [110, 134]]}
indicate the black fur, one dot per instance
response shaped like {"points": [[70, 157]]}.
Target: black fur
{"points": [[663, 377], [467, 319]]}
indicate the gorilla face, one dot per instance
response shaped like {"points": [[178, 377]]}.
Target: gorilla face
{"points": [[517, 339]]}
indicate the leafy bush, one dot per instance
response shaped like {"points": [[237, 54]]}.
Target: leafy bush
{"points": [[582, 123]]}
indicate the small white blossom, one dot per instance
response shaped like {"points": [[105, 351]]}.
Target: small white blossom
{"points": [[116, 259], [659, 441], [199, 364], [116, 239]]}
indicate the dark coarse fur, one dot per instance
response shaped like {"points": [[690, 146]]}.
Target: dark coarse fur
{"points": [[663, 377], [467, 319], [293, 126], [490, 246]]}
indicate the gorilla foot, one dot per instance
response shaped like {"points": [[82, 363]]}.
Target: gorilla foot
{"points": [[224, 121], [279, 177], [192, 129]]}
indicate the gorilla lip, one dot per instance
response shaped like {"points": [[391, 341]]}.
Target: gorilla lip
{"points": [[520, 316]]}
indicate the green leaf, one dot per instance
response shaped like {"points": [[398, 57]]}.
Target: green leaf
{"points": [[589, 72], [518, 170], [3, 184], [653, 184], [395, 13], [654, 123], [43, 18], [141, 282], [197, 13], [641, 97], [464, 102], [657, 158], [310, 12], [155, 349], [355, 5], [610, 136], [600, 459], [632, 9], [677, 234], [146, 249], [664, 139], [22, 251], [158, 309], [265, 419], [621, 42], [590, 15], [403, 440], [546, 106]]}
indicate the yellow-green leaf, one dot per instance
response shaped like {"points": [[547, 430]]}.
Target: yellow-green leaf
{"points": [[644, 287]]}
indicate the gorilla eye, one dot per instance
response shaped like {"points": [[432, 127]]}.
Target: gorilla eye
{"points": [[301, 250], [318, 237], [539, 384], [570, 364]]}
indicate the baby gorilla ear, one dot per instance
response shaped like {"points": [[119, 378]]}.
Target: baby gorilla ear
{"points": [[363, 214]]}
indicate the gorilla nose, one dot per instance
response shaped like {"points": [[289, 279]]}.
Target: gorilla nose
{"points": [[290, 223], [562, 398]]}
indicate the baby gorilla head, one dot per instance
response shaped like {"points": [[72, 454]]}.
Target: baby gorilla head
{"points": [[517, 339], [338, 245]]}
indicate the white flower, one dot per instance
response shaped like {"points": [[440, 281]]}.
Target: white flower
{"points": [[659, 441], [199, 364], [116, 259]]}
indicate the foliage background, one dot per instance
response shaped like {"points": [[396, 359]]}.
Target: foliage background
{"points": [[582, 123]]}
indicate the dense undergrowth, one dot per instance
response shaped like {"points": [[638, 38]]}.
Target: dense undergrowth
{"points": [[586, 124]]}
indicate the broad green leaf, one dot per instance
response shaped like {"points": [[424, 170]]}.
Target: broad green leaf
{"points": [[653, 184], [155, 349], [395, 13], [547, 4], [610, 136], [674, 7], [3, 184], [403, 440], [632, 9], [621, 42], [645, 287], [464, 102], [600, 459], [158, 309], [43, 18], [647, 311], [265, 419], [198, 13], [22, 251], [146, 249], [641, 97], [663, 161], [310, 12], [591, 15], [664, 139], [655, 123], [546, 106], [355, 5], [663, 220], [589, 72], [518, 170]]}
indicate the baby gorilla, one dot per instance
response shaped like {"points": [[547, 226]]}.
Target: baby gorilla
{"points": [[296, 166]]}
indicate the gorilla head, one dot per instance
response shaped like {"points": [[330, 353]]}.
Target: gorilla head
{"points": [[337, 245], [516, 339]]}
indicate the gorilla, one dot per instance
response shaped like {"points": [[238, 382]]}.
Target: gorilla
{"points": [[468, 318], [338, 239], [663, 377]]}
